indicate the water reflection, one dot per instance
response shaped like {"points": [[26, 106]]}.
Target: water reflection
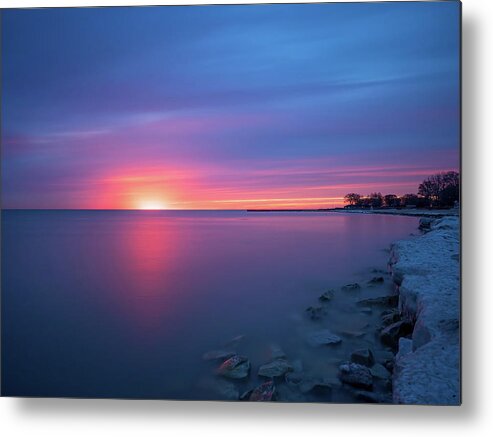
{"points": [[148, 249], [125, 303]]}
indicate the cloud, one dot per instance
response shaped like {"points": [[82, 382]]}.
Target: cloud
{"points": [[280, 101]]}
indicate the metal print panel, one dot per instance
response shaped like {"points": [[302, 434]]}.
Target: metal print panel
{"points": [[243, 202]]}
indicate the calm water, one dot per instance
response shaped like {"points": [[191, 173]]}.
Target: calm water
{"points": [[123, 304]]}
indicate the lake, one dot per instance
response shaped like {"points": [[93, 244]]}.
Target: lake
{"points": [[124, 303]]}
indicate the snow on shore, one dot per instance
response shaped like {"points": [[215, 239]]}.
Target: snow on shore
{"points": [[427, 272], [413, 212]]}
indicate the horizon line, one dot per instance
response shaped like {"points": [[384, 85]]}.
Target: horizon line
{"points": [[163, 209]]}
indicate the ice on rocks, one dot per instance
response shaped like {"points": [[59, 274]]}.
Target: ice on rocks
{"points": [[427, 273]]}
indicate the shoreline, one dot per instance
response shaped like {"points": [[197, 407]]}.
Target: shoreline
{"points": [[426, 272], [414, 212], [414, 356]]}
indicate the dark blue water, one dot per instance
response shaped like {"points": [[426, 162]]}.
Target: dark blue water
{"points": [[124, 303]]}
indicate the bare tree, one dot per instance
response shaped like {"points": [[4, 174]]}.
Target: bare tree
{"points": [[375, 200], [352, 198], [441, 189], [391, 200], [410, 200]]}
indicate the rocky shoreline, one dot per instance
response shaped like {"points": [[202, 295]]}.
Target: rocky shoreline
{"points": [[401, 345], [350, 359], [426, 271], [411, 212]]}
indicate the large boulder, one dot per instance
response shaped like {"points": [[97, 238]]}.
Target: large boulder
{"points": [[356, 375]]}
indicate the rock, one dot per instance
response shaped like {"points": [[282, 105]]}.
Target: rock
{"points": [[391, 334], [380, 301], [380, 372], [275, 368], [276, 352], [351, 287], [376, 280], [425, 223], [429, 294], [315, 312], [322, 337], [363, 356], [366, 310], [405, 348], [236, 367], [356, 375], [217, 355], [327, 296], [373, 398], [319, 385], [264, 392], [390, 317]]}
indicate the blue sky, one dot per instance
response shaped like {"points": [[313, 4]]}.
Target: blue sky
{"points": [[202, 107]]}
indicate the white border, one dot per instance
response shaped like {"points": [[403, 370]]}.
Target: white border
{"points": [[61, 417], [61, 3]]}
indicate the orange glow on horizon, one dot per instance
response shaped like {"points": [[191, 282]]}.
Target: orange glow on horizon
{"points": [[151, 204], [152, 186]]}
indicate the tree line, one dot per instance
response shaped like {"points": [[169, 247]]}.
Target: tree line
{"points": [[438, 191]]}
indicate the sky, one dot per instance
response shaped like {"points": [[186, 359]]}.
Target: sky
{"points": [[226, 107]]}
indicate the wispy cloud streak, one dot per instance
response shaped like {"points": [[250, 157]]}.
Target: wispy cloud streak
{"points": [[213, 107]]}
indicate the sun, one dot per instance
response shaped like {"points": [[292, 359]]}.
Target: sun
{"points": [[152, 204]]}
